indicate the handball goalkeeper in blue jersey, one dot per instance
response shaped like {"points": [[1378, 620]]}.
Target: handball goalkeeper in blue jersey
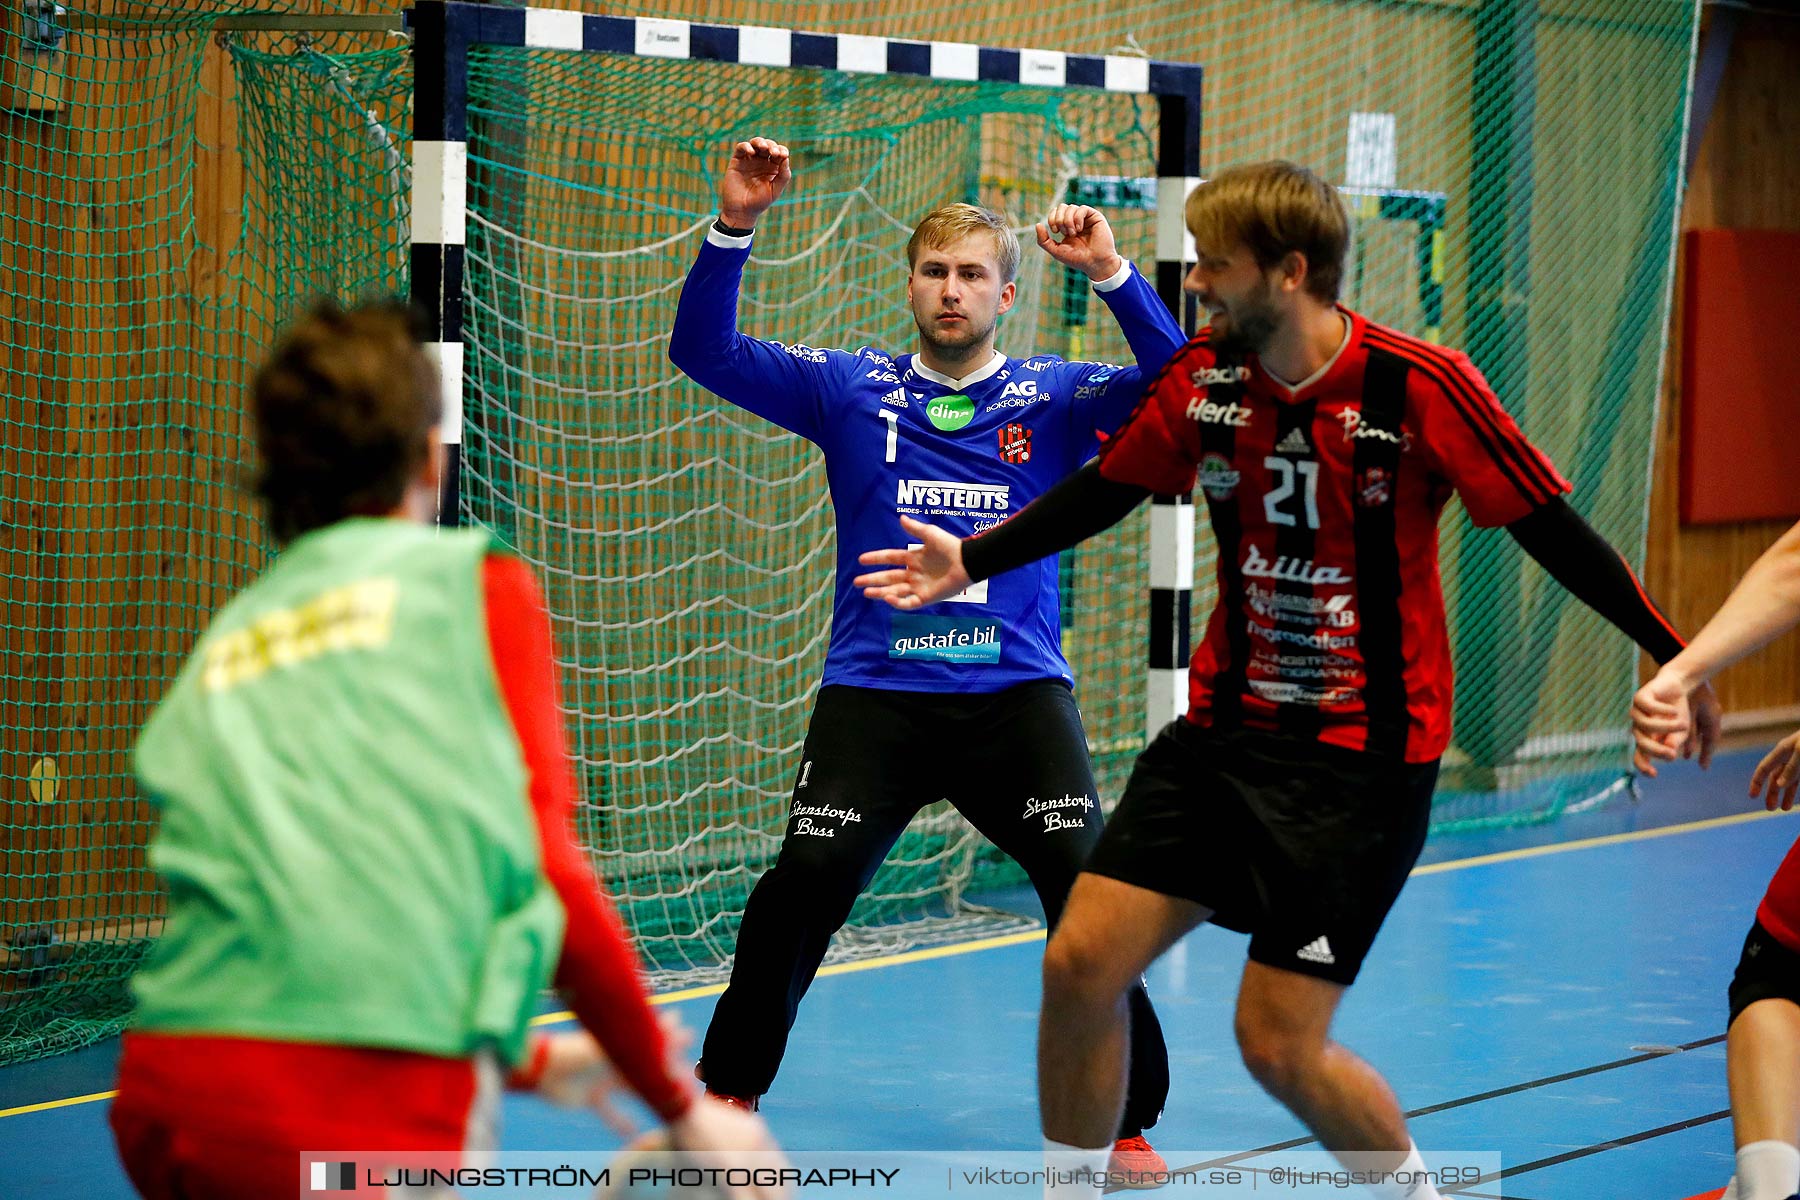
{"points": [[962, 435]]}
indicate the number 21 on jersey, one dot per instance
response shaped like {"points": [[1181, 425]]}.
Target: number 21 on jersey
{"points": [[1284, 470]]}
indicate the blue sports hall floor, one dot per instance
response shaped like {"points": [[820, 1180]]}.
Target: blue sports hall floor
{"points": [[1554, 994]]}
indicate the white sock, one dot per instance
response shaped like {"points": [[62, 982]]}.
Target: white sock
{"points": [[1418, 1187], [1068, 1160], [1768, 1170], [1731, 1192]]}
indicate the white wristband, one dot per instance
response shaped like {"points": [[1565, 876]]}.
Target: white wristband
{"points": [[1115, 280]]}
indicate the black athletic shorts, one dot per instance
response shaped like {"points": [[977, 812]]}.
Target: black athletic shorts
{"points": [[1302, 845], [1766, 970]]}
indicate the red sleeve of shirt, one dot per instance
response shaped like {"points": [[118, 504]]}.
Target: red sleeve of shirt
{"points": [[598, 971], [1475, 444], [1153, 449]]}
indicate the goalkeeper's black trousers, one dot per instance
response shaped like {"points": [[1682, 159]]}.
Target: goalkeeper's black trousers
{"points": [[1015, 763]]}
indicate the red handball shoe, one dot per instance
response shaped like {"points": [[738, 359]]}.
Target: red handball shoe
{"points": [[752, 1103], [1136, 1164]]}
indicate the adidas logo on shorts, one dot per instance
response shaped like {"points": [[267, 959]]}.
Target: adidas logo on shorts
{"points": [[1316, 951]]}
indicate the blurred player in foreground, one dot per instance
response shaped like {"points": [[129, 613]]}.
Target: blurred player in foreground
{"points": [[1762, 1043], [365, 828]]}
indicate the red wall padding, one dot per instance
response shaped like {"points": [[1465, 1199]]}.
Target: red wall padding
{"points": [[1740, 376]]}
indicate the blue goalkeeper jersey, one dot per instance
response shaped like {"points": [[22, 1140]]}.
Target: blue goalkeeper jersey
{"points": [[962, 454]]}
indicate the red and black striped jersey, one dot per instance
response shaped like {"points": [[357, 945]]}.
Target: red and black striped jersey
{"points": [[1779, 912], [1325, 501]]}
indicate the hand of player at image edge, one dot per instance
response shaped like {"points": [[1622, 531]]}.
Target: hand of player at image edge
{"points": [[1780, 770], [1672, 718], [715, 1134], [570, 1070], [921, 575], [1087, 241], [757, 175]]}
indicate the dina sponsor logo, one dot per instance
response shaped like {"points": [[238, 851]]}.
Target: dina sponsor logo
{"points": [[915, 496], [951, 413], [944, 639]]}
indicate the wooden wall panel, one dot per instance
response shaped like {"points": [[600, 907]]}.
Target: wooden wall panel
{"points": [[33, 412], [1747, 175]]}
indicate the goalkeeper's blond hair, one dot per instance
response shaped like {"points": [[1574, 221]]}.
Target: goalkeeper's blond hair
{"points": [[951, 223]]}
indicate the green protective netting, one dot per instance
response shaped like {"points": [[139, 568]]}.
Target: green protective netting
{"points": [[148, 251], [1515, 184]]}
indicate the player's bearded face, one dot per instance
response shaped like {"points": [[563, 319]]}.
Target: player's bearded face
{"points": [[1244, 322], [957, 294], [1239, 297]]}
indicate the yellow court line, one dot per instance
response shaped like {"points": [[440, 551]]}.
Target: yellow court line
{"points": [[1611, 839], [1037, 935], [48, 1104]]}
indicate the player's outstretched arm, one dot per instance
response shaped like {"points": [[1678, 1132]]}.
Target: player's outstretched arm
{"points": [[1074, 510], [1595, 573], [783, 384], [1764, 605], [1109, 394]]}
